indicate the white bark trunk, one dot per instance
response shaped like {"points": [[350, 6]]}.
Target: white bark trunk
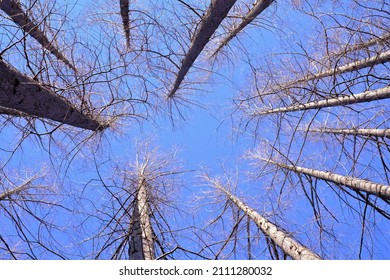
{"points": [[286, 243], [257, 9], [353, 66], [20, 93], [216, 12], [366, 96], [370, 132], [347, 181], [14, 10]]}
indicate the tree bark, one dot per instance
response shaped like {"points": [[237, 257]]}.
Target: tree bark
{"points": [[368, 132], [353, 183], [142, 236], [286, 243], [124, 5], [366, 96], [257, 9], [19, 92], [353, 66], [13, 9], [216, 12]]}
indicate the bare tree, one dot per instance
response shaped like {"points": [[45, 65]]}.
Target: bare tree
{"points": [[14, 9], [213, 17]]}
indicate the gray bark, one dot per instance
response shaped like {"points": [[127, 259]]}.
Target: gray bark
{"points": [[14, 10], [142, 236], [257, 9], [286, 243], [19, 92], [347, 181], [366, 96], [216, 12]]}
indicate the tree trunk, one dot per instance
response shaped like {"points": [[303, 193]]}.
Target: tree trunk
{"points": [[286, 243], [353, 183], [257, 9], [124, 5], [19, 92], [142, 236], [368, 132], [366, 96], [350, 67], [13, 9], [216, 12]]}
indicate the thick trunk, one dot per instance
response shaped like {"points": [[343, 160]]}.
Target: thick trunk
{"points": [[124, 5], [142, 237], [366, 96], [257, 9], [286, 243], [19, 92], [364, 132], [14, 10], [216, 12], [353, 183]]}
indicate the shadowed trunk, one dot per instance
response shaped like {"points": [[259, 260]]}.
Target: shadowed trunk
{"points": [[124, 5], [14, 10], [216, 12], [19, 92]]}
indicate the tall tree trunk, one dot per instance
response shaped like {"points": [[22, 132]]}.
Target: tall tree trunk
{"points": [[142, 236], [216, 12], [256, 10], [286, 243], [366, 96], [20, 93], [124, 5], [363, 132], [350, 67], [13, 9], [353, 183]]}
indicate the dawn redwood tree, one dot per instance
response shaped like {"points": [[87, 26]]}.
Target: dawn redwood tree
{"points": [[281, 239]]}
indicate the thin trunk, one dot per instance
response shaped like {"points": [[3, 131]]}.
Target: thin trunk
{"points": [[286, 243], [124, 5], [142, 237], [350, 67], [257, 9], [216, 12], [366, 96], [13, 9], [19, 92], [16, 190], [368, 132], [363, 45], [353, 183]]}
